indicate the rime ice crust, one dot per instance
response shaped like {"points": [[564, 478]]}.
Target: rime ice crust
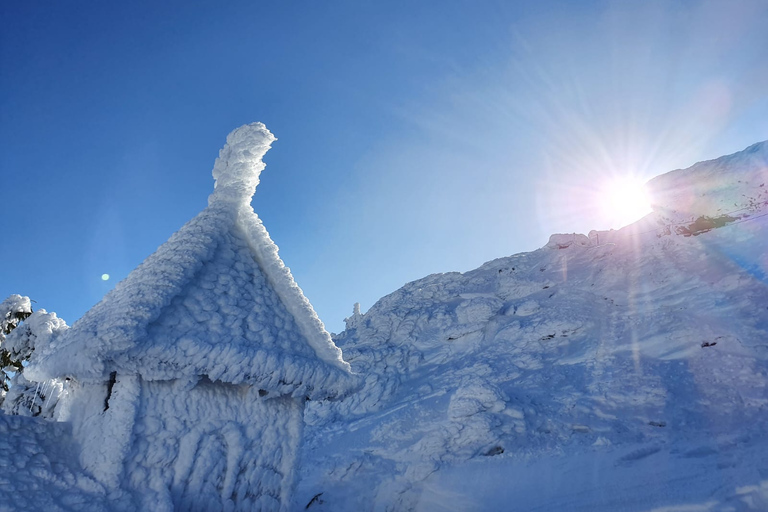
{"points": [[209, 281], [239, 165], [40, 470]]}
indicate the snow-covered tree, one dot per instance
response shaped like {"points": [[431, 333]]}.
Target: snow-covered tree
{"points": [[21, 332], [13, 310]]}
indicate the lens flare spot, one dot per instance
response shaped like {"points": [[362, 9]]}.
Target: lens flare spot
{"points": [[624, 201], [105, 277]]}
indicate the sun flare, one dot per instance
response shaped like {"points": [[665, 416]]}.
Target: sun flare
{"points": [[624, 200]]}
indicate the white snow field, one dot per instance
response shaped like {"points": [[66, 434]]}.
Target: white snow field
{"points": [[616, 371], [621, 371]]}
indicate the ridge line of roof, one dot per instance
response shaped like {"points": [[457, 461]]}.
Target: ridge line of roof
{"points": [[266, 253]]}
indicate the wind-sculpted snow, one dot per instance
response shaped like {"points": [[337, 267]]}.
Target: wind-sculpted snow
{"points": [[214, 300], [39, 470], [237, 169], [192, 440], [619, 353]]}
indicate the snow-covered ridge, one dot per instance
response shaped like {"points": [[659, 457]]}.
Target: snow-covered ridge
{"points": [[730, 185], [708, 195], [635, 357]]}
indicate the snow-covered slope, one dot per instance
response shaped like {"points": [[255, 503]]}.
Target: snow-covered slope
{"points": [[624, 370], [730, 185]]}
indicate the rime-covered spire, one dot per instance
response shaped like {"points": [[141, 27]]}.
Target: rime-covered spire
{"points": [[214, 300], [239, 164]]}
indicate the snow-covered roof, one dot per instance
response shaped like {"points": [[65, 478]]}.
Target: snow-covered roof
{"points": [[214, 300]]}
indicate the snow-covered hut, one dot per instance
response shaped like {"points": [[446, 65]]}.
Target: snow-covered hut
{"points": [[188, 380]]}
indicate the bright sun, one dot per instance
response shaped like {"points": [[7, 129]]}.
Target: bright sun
{"points": [[623, 200]]}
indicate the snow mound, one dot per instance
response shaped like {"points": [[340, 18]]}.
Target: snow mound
{"points": [[563, 241]]}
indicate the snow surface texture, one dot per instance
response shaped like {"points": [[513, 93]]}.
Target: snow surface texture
{"points": [[212, 460], [25, 398], [194, 446], [39, 470], [621, 371], [214, 300]]}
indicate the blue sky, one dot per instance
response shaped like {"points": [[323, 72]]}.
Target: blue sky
{"points": [[414, 137]]}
